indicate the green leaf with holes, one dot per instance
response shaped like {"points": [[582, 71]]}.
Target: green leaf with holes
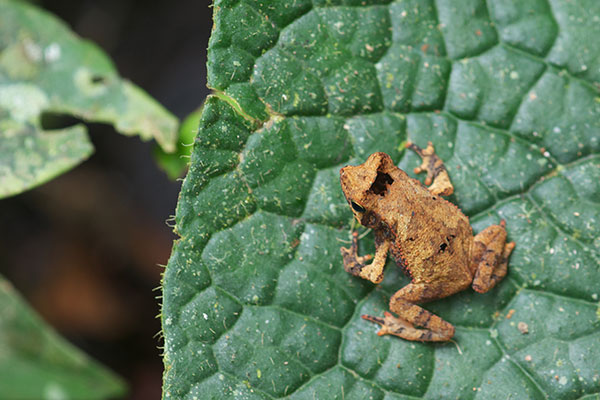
{"points": [[45, 70], [256, 302], [35, 363]]}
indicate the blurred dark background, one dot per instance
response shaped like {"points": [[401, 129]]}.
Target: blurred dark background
{"points": [[85, 248]]}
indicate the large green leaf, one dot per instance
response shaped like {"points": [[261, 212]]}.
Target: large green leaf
{"points": [[45, 68], [35, 363], [256, 302]]}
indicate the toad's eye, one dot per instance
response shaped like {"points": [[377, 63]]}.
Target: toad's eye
{"points": [[357, 208]]}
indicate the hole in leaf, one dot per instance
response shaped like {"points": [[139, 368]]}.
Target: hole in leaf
{"points": [[97, 79], [56, 121]]}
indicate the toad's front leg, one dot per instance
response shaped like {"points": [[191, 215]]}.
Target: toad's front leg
{"points": [[411, 316], [437, 176], [356, 265]]}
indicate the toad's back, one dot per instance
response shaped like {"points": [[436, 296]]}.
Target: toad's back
{"points": [[433, 237]]}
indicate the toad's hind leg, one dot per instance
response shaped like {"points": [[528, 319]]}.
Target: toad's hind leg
{"points": [[490, 257], [410, 315]]}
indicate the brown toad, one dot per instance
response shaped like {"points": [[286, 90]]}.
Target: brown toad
{"points": [[430, 238]]}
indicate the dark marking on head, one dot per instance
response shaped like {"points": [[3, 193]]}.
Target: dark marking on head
{"points": [[370, 220], [380, 185], [443, 247]]}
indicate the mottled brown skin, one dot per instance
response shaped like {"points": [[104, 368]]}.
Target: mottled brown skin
{"points": [[429, 237]]}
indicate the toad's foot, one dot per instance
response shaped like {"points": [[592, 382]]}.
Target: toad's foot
{"points": [[411, 315], [353, 263], [356, 265], [391, 325], [437, 176], [490, 257]]}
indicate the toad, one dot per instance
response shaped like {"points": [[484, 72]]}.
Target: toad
{"points": [[429, 237]]}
